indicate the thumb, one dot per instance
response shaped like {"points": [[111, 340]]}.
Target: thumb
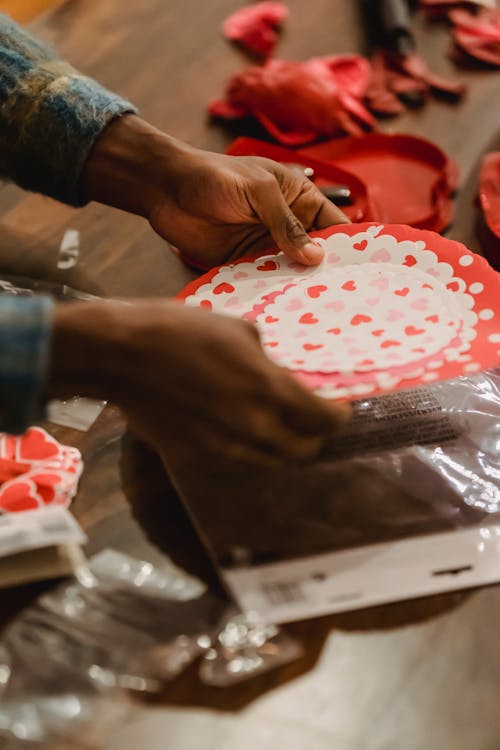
{"points": [[285, 228]]}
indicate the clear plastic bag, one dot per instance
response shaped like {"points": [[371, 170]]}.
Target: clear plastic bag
{"points": [[123, 627]]}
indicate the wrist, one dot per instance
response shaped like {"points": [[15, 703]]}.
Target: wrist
{"points": [[86, 349], [131, 165]]}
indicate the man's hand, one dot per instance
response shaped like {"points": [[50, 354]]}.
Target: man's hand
{"points": [[189, 381], [210, 206]]}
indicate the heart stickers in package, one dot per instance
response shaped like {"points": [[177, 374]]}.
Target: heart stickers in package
{"points": [[36, 470], [389, 307]]}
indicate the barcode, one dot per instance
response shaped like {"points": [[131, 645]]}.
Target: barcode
{"points": [[283, 592]]}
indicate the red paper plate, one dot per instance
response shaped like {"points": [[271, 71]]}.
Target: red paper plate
{"points": [[325, 174], [36, 470], [410, 180], [390, 307]]}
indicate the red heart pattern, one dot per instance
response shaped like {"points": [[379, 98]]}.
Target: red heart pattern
{"points": [[407, 323], [356, 320], [312, 347], [308, 319], [349, 286], [224, 288], [360, 245], [315, 291], [269, 265], [43, 471]]}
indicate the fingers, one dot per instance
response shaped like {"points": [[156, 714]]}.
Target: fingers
{"points": [[268, 202], [308, 414], [314, 210], [288, 205]]}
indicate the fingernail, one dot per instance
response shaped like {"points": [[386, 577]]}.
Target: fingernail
{"points": [[313, 252]]}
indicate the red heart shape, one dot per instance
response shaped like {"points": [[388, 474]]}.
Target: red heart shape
{"points": [[315, 291], [412, 331], [269, 265], [418, 350], [358, 319], [312, 347], [10, 469], [224, 288], [271, 343], [360, 245], [409, 261], [432, 318], [386, 344], [18, 495], [308, 318], [335, 331], [298, 361], [206, 303], [37, 445], [453, 286], [349, 286], [427, 286], [46, 484], [270, 319], [378, 332], [402, 292], [367, 362]]}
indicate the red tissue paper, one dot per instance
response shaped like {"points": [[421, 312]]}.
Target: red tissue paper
{"points": [[478, 35], [441, 8], [255, 26], [299, 102], [395, 76]]}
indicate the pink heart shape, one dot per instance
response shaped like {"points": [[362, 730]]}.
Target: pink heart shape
{"points": [[233, 302], [393, 315], [294, 304], [420, 304], [381, 256], [379, 283], [372, 301], [336, 306], [260, 284], [241, 275], [332, 258]]}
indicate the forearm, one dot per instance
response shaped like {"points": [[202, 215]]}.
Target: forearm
{"points": [[50, 116], [131, 164]]}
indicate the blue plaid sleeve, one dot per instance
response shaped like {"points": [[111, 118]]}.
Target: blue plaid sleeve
{"points": [[50, 116], [25, 331]]}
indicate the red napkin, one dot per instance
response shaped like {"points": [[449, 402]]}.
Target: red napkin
{"points": [[395, 75], [478, 35], [441, 8], [300, 102], [255, 26]]}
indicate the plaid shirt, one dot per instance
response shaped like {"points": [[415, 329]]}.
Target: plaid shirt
{"points": [[50, 117]]}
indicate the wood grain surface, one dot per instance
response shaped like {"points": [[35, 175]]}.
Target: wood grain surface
{"points": [[421, 674]]}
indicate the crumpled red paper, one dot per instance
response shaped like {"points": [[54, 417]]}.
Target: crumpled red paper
{"points": [[397, 76], [255, 27], [478, 35], [441, 8], [299, 102], [489, 191]]}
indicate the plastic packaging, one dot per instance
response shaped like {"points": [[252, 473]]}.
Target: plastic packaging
{"points": [[405, 502], [70, 662]]}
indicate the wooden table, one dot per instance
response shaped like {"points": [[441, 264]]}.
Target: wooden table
{"points": [[423, 674]]}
